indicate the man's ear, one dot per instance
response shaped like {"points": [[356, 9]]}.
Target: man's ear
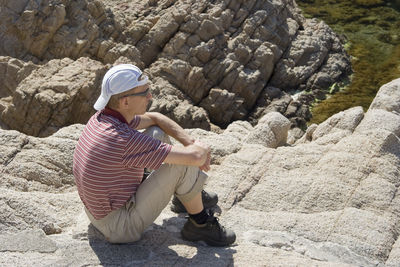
{"points": [[123, 102]]}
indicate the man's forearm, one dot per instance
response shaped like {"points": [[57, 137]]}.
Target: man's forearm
{"points": [[171, 128], [191, 155]]}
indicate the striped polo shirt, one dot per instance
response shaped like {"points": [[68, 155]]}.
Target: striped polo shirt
{"points": [[109, 161]]}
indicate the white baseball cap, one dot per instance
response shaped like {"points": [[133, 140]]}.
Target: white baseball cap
{"points": [[119, 79]]}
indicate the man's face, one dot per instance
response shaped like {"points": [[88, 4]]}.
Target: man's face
{"points": [[137, 99]]}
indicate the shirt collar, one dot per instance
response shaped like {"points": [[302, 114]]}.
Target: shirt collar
{"points": [[114, 113]]}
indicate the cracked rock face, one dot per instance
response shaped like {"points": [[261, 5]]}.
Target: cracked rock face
{"points": [[330, 199], [57, 94], [210, 62]]}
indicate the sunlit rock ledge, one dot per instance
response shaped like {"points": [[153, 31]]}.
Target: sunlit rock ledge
{"points": [[330, 199]]}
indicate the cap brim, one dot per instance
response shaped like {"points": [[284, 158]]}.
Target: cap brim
{"points": [[101, 102]]}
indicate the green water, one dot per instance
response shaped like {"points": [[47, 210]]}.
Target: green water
{"points": [[372, 30]]}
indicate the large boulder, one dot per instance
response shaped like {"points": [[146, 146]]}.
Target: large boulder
{"points": [[59, 93], [224, 58], [50, 29], [271, 131], [388, 98], [36, 183], [12, 72], [338, 126]]}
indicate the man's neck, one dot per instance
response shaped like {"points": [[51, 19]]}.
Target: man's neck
{"points": [[128, 117], [119, 114]]}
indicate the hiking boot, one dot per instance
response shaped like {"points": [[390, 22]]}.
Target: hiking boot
{"points": [[212, 232], [209, 201]]}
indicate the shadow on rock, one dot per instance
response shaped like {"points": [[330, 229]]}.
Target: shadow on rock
{"points": [[159, 246]]}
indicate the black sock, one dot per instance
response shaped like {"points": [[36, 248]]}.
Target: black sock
{"points": [[201, 217]]}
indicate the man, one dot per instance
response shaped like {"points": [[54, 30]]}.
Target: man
{"points": [[111, 155]]}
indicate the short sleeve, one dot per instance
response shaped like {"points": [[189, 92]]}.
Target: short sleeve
{"points": [[143, 151]]}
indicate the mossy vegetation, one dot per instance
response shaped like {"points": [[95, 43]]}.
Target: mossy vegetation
{"points": [[372, 28]]}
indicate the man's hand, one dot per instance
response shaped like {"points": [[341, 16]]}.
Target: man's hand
{"points": [[196, 154], [206, 166]]}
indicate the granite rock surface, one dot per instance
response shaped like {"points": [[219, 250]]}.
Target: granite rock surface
{"points": [[330, 199], [210, 62]]}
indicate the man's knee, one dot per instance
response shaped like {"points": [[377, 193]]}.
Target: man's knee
{"points": [[157, 133], [191, 184]]}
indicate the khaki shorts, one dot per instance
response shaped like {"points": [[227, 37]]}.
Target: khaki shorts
{"points": [[128, 223]]}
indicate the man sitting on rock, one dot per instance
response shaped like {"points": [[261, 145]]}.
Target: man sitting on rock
{"points": [[111, 155]]}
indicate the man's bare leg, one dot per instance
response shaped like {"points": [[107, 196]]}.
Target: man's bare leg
{"points": [[195, 205]]}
